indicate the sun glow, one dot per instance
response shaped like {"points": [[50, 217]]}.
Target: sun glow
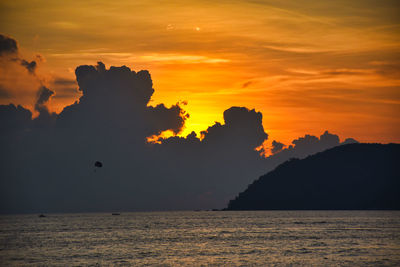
{"points": [[307, 67], [156, 139]]}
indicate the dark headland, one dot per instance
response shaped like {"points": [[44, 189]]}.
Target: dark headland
{"points": [[348, 177]]}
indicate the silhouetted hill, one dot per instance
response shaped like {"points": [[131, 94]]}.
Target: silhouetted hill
{"points": [[355, 176]]}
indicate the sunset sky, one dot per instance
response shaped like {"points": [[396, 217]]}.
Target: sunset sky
{"points": [[308, 66]]}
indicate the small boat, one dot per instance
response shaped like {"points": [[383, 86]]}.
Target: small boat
{"points": [[42, 216], [115, 214]]}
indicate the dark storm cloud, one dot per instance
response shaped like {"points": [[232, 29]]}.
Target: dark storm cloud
{"points": [[276, 147], [7, 45], [47, 162]]}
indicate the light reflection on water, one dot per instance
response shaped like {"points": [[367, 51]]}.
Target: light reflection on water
{"points": [[316, 238]]}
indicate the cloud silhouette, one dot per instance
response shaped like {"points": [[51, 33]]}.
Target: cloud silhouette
{"points": [[30, 66], [7, 45], [14, 119], [45, 118], [277, 147], [119, 98], [349, 141], [44, 95], [9, 49], [46, 162], [20, 82], [242, 129], [308, 145]]}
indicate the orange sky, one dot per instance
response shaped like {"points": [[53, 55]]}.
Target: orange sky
{"points": [[308, 66]]}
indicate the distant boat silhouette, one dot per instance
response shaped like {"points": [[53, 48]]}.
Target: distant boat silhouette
{"points": [[115, 214], [42, 216]]}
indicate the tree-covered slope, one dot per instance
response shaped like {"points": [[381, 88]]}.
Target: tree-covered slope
{"points": [[355, 176]]}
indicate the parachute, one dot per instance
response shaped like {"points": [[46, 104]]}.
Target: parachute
{"points": [[98, 164]]}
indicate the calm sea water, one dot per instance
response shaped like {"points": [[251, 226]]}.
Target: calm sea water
{"points": [[262, 238]]}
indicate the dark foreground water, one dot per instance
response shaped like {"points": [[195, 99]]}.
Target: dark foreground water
{"points": [[262, 238]]}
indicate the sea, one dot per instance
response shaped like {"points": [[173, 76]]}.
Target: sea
{"points": [[202, 238]]}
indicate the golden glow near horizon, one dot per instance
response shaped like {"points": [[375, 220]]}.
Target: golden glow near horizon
{"points": [[307, 66]]}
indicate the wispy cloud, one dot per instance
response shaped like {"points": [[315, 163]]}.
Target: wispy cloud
{"points": [[182, 58]]}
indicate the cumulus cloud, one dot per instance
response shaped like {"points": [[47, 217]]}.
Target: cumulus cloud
{"points": [[47, 162], [242, 129], [308, 145], [109, 123], [172, 118], [119, 97]]}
